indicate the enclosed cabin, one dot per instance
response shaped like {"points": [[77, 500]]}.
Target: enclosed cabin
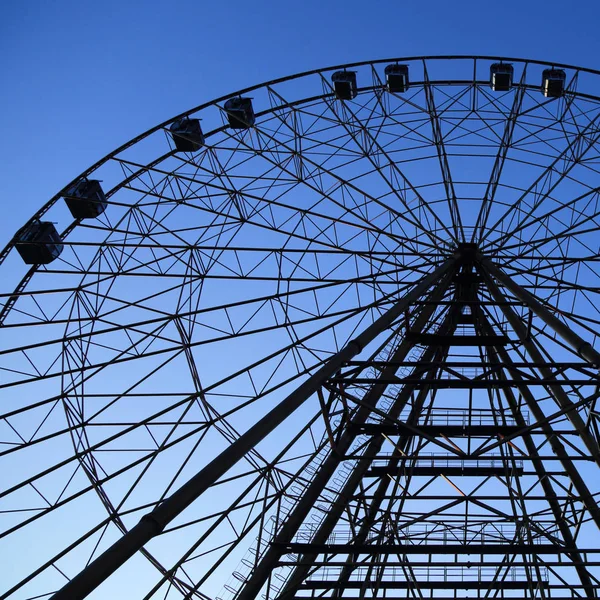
{"points": [[553, 83], [187, 135], [501, 77], [344, 84], [240, 112], [85, 199], [38, 243], [396, 78]]}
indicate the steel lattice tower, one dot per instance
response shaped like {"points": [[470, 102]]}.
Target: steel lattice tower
{"points": [[409, 411], [375, 538]]}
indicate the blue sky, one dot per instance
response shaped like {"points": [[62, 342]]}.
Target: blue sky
{"points": [[83, 77], [80, 77]]}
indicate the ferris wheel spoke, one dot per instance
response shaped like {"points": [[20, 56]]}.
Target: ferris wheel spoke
{"points": [[388, 276], [348, 184], [159, 324], [125, 356], [568, 233], [571, 234], [557, 267], [503, 148], [438, 140], [370, 148], [121, 304], [555, 225], [276, 203], [577, 146], [308, 278], [148, 338]]}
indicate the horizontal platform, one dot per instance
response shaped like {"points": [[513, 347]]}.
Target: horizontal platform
{"points": [[481, 561], [456, 471], [504, 549], [437, 430], [462, 384], [434, 339], [424, 585]]}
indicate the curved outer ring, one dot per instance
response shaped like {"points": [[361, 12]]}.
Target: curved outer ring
{"points": [[156, 128], [38, 214], [48, 205]]}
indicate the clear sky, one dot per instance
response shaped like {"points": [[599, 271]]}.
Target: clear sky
{"points": [[81, 77]]}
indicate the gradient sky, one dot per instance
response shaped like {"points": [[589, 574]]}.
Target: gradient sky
{"points": [[82, 77]]}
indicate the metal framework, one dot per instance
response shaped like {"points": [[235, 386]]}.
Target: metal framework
{"points": [[344, 349]]}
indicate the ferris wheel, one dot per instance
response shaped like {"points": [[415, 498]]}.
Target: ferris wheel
{"points": [[168, 317]]}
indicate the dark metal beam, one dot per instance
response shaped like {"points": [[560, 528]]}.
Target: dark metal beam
{"points": [[425, 547], [501, 355], [583, 348], [154, 522], [433, 585], [263, 570]]}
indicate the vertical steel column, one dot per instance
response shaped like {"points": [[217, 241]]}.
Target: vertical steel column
{"points": [[583, 348], [381, 489], [555, 388], [252, 587], [556, 445], [540, 470], [349, 489], [154, 522]]}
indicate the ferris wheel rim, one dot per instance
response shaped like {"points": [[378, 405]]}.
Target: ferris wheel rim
{"points": [[263, 85], [296, 76], [84, 174]]}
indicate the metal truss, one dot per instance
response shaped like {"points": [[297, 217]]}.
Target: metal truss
{"points": [[344, 352]]}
